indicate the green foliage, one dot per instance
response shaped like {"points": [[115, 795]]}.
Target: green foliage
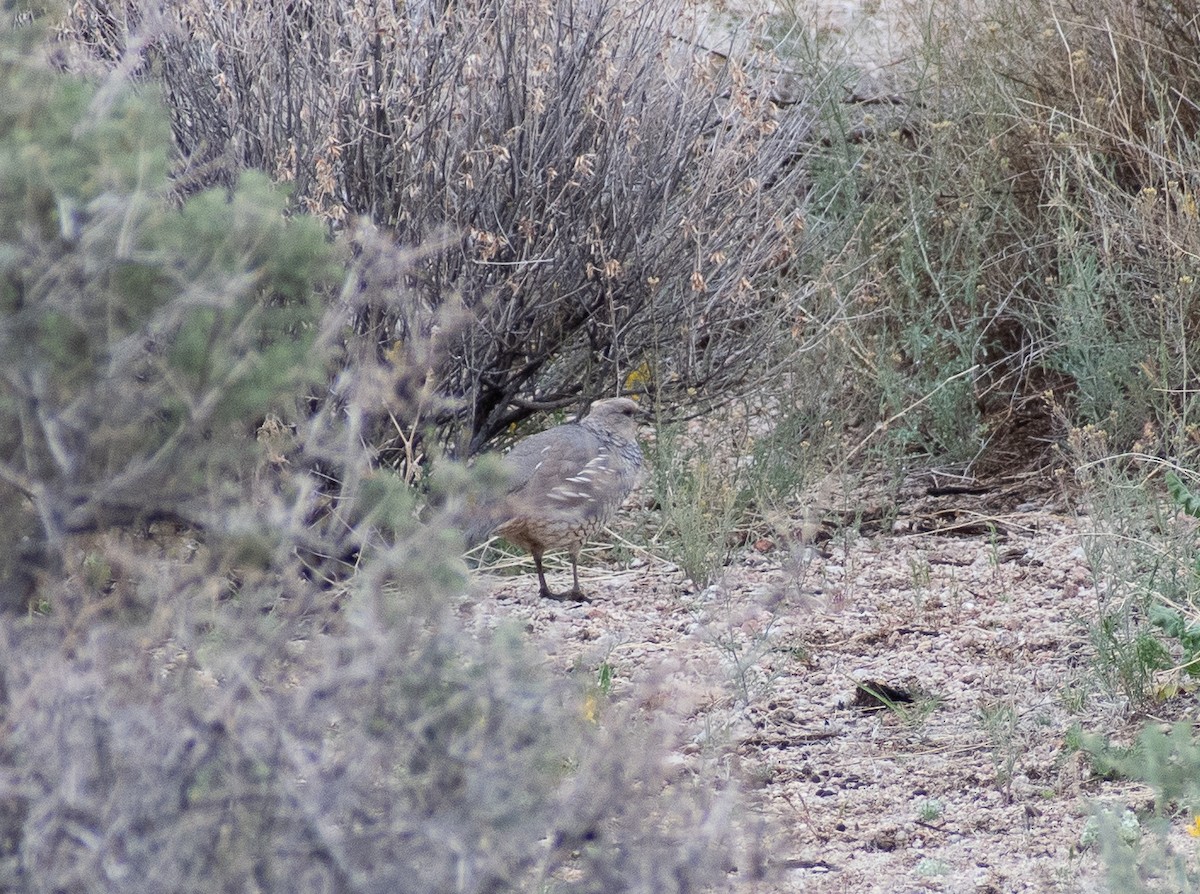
{"points": [[1099, 339], [904, 288], [787, 461], [1156, 570], [1184, 631], [1183, 496], [604, 678], [1179, 618], [1128, 655], [700, 493], [384, 500], [140, 342], [1138, 856], [732, 479], [930, 810], [61, 148], [1140, 560]]}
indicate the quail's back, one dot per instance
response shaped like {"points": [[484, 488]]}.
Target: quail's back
{"points": [[565, 483]]}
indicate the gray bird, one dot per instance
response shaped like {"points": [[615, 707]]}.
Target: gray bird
{"points": [[563, 485]]}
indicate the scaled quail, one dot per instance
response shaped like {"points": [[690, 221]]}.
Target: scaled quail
{"points": [[563, 485]]}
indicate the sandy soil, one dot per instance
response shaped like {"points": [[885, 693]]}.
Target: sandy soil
{"points": [[972, 608], [872, 35]]}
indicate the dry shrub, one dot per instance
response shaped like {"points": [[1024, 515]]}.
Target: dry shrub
{"points": [[1100, 104], [1023, 223], [192, 696], [612, 202], [214, 748]]}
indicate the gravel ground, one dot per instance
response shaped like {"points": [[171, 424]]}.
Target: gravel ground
{"points": [[968, 611]]}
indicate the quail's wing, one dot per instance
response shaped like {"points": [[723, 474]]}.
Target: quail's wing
{"points": [[571, 475], [549, 456]]}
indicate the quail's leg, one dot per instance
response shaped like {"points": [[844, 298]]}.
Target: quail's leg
{"points": [[575, 594], [543, 590], [572, 595]]}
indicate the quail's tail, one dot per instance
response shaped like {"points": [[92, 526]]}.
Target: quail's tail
{"points": [[477, 522]]}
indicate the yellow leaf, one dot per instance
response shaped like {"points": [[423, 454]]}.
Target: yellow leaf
{"points": [[637, 379]]}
